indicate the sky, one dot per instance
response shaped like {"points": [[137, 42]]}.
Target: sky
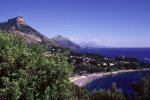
{"points": [[115, 23]]}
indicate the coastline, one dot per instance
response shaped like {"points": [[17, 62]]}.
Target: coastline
{"points": [[83, 80]]}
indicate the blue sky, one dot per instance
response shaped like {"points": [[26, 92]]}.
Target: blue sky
{"points": [[116, 23]]}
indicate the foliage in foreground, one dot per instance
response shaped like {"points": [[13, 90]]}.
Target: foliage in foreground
{"points": [[142, 89], [111, 94], [30, 73]]}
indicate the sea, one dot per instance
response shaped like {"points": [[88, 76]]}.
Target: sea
{"points": [[123, 80], [142, 54]]}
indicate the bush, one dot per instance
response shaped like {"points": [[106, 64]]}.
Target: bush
{"points": [[111, 94], [32, 73], [142, 89]]}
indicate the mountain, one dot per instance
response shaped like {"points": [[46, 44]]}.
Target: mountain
{"points": [[19, 27], [65, 42], [91, 45]]}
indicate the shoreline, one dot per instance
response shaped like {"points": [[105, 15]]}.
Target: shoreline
{"points": [[83, 80]]}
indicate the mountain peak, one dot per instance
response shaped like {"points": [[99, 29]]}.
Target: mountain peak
{"points": [[60, 38], [19, 20], [64, 42]]}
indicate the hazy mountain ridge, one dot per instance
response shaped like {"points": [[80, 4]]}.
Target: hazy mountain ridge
{"points": [[92, 45]]}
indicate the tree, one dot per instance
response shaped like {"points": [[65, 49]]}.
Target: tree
{"points": [[142, 89], [29, 73]]}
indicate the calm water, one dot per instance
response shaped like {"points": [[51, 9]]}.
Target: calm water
{"points": [[123, 81], [142, 54]]}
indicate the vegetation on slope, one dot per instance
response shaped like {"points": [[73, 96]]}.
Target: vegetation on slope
{"points": [[142, 89], [91, 63], [32, 73], [110, 94]]}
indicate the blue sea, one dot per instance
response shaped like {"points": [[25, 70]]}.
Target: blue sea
{"points": [[142, 54], [123, 81]]}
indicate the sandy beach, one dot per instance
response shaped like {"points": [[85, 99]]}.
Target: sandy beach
{"points": [[83, 80]]}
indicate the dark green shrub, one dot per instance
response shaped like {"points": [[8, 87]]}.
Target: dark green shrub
{"points": [[32, 73]]}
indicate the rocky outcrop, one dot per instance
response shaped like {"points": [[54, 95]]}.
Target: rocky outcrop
{"points": [[19, 27]]}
